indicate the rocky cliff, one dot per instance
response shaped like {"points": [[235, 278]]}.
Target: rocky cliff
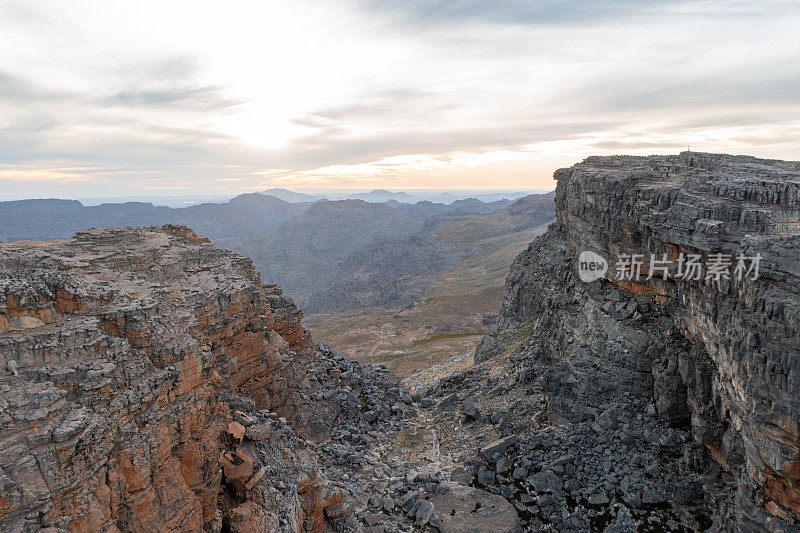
{"points": [[150, 382], [718, 356]]}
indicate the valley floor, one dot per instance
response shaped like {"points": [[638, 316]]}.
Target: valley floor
{"points": [[435, 330], [437, 334], [476, 452]]}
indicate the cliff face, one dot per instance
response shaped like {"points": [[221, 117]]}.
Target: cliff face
{"points": [[722, 359], [143, 377]]}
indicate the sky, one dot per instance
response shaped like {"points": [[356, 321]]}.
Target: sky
{"points": [[118, 98]]}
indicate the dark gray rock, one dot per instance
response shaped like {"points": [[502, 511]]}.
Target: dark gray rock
{"points": [[545, 481], [423, 513], [469, 410], [498, 446], [719, 358]]}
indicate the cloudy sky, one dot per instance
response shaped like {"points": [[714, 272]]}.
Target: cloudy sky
{"points": [[169, 97]]}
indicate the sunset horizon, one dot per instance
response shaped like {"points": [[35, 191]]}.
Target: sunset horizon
{"points": [[124, 99]]}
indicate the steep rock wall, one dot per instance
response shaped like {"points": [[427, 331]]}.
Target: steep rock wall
{"points": [[124, 358], [723, 357]]}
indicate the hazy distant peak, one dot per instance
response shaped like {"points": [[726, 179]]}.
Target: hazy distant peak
{"points": [[256, 198], [48, 203], [382, 195], [291, 196]]}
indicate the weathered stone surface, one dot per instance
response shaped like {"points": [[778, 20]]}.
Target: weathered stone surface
{"points": [[722, 358], [236, 431], [498, 446], [462, 509], [130, 349]]}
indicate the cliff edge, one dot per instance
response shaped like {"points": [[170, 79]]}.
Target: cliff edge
{"points": [[150, 382], [718, 353]]}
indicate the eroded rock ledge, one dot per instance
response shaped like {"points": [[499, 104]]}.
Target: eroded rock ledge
{"points": [[150, 382], [722, 360]]}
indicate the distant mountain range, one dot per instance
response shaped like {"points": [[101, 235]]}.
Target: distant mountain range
{"points": [[393, 273], [307, 248], [248, 214], [252, 214], [287, 195], [352, 254], [291, 196], [328, 254], [383, 195]]}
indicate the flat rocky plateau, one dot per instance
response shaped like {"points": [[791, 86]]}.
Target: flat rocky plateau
{"points": [[151, 382]]}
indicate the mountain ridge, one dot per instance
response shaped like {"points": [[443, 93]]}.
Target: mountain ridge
{"points": [[45, 219]]}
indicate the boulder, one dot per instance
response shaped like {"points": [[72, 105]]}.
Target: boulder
{"points": [[461, 509]]}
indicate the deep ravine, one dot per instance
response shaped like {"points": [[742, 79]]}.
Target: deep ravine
{"points": [[151, 382]]}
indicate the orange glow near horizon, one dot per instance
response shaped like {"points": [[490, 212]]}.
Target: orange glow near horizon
{"points": [[351, 95]]}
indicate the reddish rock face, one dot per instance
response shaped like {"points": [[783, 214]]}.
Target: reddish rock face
{"points": [[126, 346]]}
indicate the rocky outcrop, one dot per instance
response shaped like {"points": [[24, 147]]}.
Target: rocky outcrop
{"points": [[718, 356], [150, 382]]}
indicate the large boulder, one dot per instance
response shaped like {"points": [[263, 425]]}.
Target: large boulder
{"points": [[461, 509]]}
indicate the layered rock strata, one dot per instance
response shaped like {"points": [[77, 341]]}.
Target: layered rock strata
{"points": [[150, 382], [718, 355]]}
